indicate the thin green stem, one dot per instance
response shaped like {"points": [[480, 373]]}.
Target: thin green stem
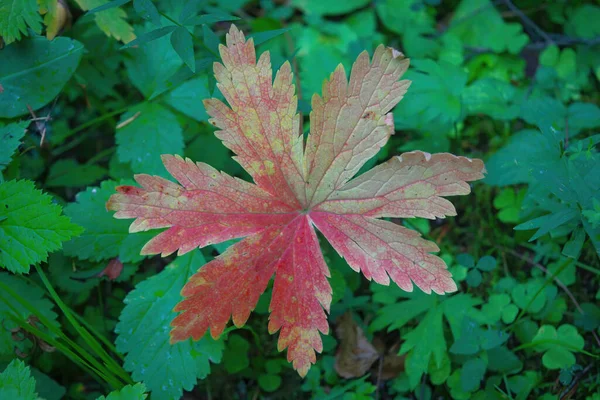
{"points": [[86, 336]]}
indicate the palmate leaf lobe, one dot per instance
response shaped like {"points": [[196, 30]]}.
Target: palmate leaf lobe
{"points": [[297, 188]]}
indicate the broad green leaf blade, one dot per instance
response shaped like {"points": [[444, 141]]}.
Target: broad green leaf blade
{"points": [[181, 40], [69, 173], [211, 40], [16, 16], [31, 65], [104, 238], [148, 131], [16, 382], [10, 139], [136, 392], [186, 98], [35, 296], [151, 65], [111, 20], [30, 226], [143, 334], [329, 7]]}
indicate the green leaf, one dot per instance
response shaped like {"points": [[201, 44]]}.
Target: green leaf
{"points": [[474, 278], [526, 295], [547, 223], [261, 37], [35, 297], [235, 356], [486, 263], [205, 19], [46, 387], [590, 319], [558, 345], [136, 392], [187, 99], [435, 95], [147, 10], [210, 39], [34, 71], [111, 20], [425, 340], [583, 22], [329, 7], [16, 382], [472, 374], [10, 139], [16, 16], [68, 173], [150, 36], [269, 382], [104, 237], [153, 64], [30, 226], [152, 131], [181, 40], [502, 360], [479, 24], [143, 333], [401, 17], [108, 6]]}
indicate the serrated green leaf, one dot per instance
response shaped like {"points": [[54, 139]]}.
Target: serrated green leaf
{"points": [[143, 333], [31, 227], [181, 40], [16, 16], [152, 131], [69, 173], [129, 392], [10, 139], [425, 341], [16, 382], [33, 64], [111, 20], [104, 237]]}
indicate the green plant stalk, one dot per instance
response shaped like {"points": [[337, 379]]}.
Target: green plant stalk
{"points": [[49, 324], [87, 337], [55, 343]]}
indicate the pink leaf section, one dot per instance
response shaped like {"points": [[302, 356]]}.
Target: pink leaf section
{"points": [[296, 190]]}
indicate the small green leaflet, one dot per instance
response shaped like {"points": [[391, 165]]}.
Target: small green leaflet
{"points": [[104, 238], [558, 345], [16, 382], [33, 64], [144, 130], [137, 392], [30, 226], [9, 305], [10, 139], [143, 333], [46, 387]]}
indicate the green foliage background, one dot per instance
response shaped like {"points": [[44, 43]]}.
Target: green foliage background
{"points": [[513, 82]]}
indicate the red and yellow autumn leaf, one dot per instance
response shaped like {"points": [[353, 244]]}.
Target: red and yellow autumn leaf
{"points": [[296, 189]]}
